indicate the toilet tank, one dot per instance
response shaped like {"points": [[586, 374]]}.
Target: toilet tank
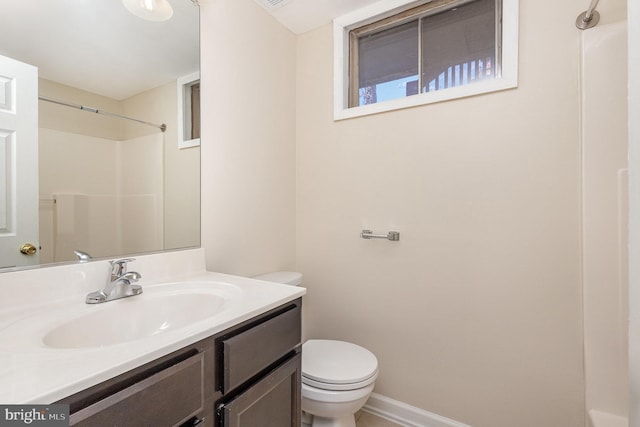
{"points": [[292, 278]]}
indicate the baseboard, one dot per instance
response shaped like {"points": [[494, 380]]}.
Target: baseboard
{"points": [[406, 415]]}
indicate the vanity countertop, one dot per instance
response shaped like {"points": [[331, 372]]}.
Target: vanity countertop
{"points": [[33, 372]]}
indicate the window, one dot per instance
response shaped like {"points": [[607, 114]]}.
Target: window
{"points": [[189, 111], [439, 50]]}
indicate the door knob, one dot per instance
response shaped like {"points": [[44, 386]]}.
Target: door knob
{"points": [[28, 249]]}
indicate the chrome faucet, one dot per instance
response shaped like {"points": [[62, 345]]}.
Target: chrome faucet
{"points": [[120, 283], [82, 256]]}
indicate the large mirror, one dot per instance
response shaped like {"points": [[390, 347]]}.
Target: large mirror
{"points": [[96, 181]]}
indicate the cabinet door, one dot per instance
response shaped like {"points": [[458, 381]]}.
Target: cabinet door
{"points": [[274, 401]]}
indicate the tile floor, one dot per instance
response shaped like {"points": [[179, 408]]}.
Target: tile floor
{"points": [[365, 419]]}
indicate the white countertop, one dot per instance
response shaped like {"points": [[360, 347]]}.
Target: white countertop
{"points": [[31, 372]]}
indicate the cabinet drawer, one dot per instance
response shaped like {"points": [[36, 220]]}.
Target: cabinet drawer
{"points": [[251, 351], [167, 398]]}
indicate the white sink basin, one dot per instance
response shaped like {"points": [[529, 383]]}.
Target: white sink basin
{"points": [[133, 318], [171, 310]]}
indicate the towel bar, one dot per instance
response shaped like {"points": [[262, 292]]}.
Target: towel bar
{"points": [[394, 236]]}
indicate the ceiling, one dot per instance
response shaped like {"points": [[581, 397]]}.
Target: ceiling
{"points": [[98, 46], [301, 16]]}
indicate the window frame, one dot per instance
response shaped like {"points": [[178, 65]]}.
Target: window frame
{"points": [[385, 10], [184, 111]]}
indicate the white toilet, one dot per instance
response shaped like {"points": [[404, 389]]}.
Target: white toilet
{"points": [[337, 377]]}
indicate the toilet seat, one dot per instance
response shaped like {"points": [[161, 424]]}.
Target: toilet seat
{"points": [[337, 365], [339, 387]]}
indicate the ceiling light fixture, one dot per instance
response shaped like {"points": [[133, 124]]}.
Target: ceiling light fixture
{"points": [[151, 10]]}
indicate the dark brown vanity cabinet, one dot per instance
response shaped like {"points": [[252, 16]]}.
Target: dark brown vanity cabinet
{"points": [[261, 373], [246, 376]]}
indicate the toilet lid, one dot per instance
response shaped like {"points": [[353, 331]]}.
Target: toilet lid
{"points": [[327, 362]]}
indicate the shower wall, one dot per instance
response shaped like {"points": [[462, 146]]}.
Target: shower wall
{"points": [[181, 167], [93, 189], [604, 136], [634, 208]]}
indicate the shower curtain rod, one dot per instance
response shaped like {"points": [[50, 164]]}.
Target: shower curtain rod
{"points": [[162, 127], [589, 18]]}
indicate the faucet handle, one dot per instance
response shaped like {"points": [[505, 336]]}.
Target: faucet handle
{"points": [[119, 266]]}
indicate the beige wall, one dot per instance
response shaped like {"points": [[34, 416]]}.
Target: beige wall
{"points": [[248, 134], [53, 116], [476, 313]]}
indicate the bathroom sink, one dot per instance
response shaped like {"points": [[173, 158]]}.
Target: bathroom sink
{"points": [[133, 319]]}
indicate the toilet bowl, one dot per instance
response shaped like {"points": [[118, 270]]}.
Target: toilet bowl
{"points": [[337, 377]]}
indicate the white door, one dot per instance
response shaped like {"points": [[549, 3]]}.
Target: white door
{"points": [[18, 163]]}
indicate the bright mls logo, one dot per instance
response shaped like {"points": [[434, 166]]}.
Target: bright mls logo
{"points": [[34, 415]]}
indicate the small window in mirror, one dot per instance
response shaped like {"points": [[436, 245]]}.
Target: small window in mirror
{"points": [[189, 111], [195, 110]]}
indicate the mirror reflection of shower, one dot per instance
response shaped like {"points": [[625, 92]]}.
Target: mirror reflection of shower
{"points": [[100, 196]]}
